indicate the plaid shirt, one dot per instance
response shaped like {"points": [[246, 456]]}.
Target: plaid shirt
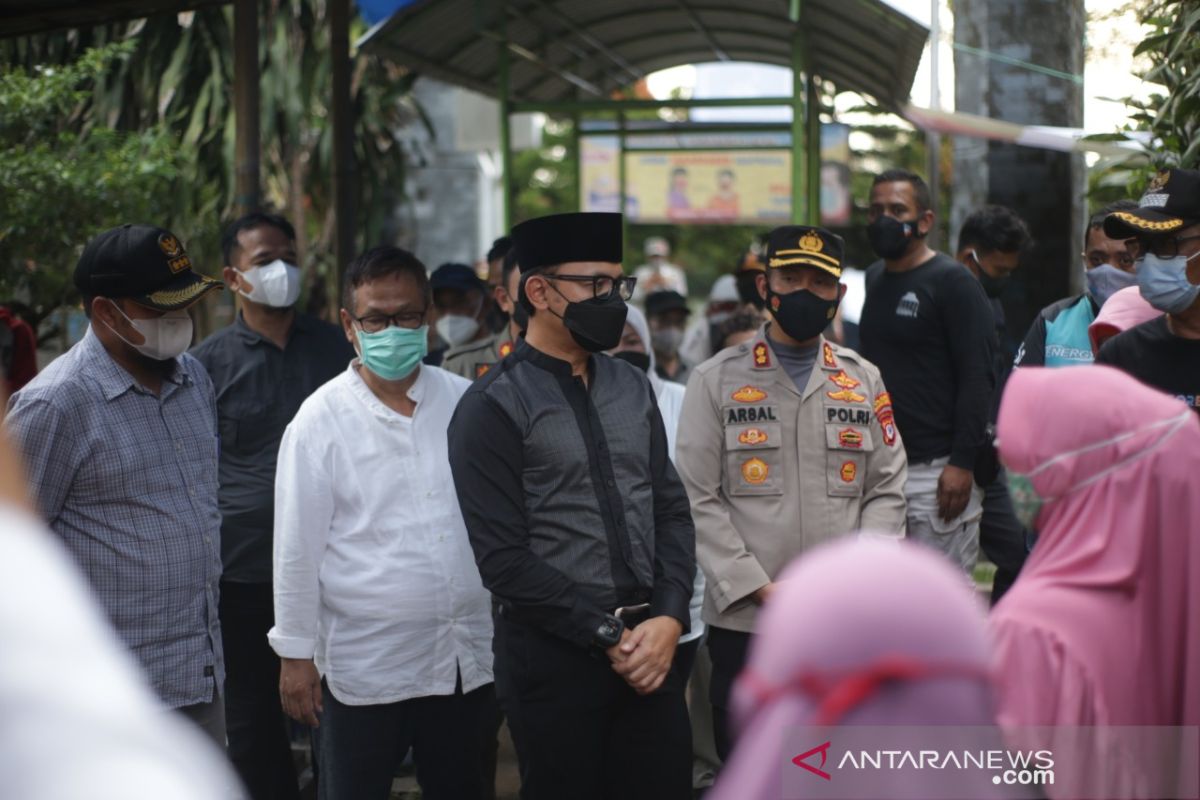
{"points": [[129, 481]]}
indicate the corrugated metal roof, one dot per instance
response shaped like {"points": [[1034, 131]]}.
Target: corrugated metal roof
{"points": [[585, 49], [23, 17]]}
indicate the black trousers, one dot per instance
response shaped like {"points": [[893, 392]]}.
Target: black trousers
{"points": [[581, 732], [727, 649], [1001, 536], [255, 725]]}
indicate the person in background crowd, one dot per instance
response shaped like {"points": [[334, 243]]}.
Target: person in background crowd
{"points": [[667, 313], [67, 686], [737, 329], [927, 324], [581, 531], [1106, 475], [381, 621], [263, 366], [861, 632], [784, 442], [460, 303], [746, 278], [1164, 352], [658, 274], [1124, 310], [497, 318], [473, 360], [723, 300], [991, 243], [119, 436], [1058, 336], [18, 351]]}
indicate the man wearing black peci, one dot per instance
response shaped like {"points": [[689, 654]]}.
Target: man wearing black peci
{"points": [[581, 529]]}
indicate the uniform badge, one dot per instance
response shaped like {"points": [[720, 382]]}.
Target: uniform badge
{"points": [[755, 471], [827, 356], [849, 472], [811, 243], [169, 245], [887, 420], [505, 349], [850, 438], [846, 396], [762, 356], [749, 394], [481, 370], [844, 381], [753, 436], [1158, 182]]}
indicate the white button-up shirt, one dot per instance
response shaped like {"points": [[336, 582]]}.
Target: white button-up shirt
{"points": [[374, 575]]}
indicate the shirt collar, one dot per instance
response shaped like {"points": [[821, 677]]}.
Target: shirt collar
{"points": [[112, 378], [556, 366], [416, 392], [301, 323]]}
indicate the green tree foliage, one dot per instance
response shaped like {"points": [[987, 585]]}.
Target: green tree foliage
{"points": [[65, 177]]}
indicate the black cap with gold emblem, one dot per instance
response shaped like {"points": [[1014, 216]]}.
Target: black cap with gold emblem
{"points": [[144, 263], [562, 238], [1171, 201], [805, 246]]}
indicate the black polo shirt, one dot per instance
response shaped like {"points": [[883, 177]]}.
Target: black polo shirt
{"points": [[571, 503], [259, 388]]}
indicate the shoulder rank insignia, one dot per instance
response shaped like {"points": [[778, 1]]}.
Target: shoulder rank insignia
{"points": [[755, 471], [887, 420], [481, 370], [762, 356], [505, 349], [749, 394], [846, 396], [849, 472], [827, 357], [850, 438], [753, 436], [844, 381]]}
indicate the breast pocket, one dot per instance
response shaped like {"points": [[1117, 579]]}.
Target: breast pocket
{"points": [[753, 459], [846, 449]]}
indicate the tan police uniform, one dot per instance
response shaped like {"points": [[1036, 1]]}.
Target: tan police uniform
{"points": [[474, 359]]}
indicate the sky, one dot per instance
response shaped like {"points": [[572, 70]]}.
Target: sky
{"points": [[1108, 72]]}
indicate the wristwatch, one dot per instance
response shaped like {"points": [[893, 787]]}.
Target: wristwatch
{"points": [[609, 632]]}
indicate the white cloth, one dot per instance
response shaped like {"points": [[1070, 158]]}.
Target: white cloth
{"points": [[670, 406], [666, 276], [957, 539], [77, 718], [374, 575]]}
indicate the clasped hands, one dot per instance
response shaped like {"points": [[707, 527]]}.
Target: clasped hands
{"points": [[644, 655]]}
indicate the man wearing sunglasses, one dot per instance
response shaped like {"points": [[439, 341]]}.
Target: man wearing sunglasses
{"points": [[581, 530], [1164, 352]]}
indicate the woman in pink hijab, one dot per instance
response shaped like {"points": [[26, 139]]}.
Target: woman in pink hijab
{"points": [[862, 631], [1103, 626], [1124, 310]]}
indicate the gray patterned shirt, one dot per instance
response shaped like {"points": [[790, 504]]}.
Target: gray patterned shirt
{"points": [[129, 481]]}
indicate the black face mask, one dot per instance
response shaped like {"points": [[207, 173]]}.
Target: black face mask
{"points": [[639, 360], [801, 314], [594, 324], [992, 287], [889, 237]]}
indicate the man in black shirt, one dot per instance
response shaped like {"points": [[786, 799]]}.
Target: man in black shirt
{"points": [[928, 327], [581, 529], [1165, 352], [263, 367]]}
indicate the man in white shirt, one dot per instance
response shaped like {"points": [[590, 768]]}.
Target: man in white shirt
{"points": [[658, 274], [381, 620]]}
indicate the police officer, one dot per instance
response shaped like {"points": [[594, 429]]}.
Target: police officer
{"points": [[474, 359], [785, 441]]}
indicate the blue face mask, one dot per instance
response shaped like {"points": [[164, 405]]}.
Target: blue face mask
{"points": [[1164, 283], [393, 353], [1106, 280]]}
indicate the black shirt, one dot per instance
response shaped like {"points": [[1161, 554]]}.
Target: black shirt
{"points": [[259, 389], [930, 331], [571, 503], [1158, 358]]}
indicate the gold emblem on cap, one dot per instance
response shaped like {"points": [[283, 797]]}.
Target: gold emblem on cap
{"points": [[1159, 181], [811, 243], [169, 245]]}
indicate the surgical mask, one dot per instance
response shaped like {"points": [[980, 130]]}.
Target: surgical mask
{"points": [[1028, 503], [167, 337], [801, 314], [1164, 284], [992, 287], [666, 341], [719, 317], [636, 357], [595, 324], [1105, 280], [889, 237], [393, 353], [456, 329], [276, 284]]}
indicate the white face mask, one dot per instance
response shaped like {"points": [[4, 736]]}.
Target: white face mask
{"points": [[276, 284], [456, 329], [166, 337]]}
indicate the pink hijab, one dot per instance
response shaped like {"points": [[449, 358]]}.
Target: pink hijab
{"points": [[1103, 626], [1124, 310], [862, 631]]}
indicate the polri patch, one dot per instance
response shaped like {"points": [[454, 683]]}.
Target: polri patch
{"points": [[849, 472], [887, 420], [848, 416], [846, 396], [755, 471], [844, 381]]}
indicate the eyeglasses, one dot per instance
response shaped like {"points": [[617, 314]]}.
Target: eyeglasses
{"points": [[374, 323], [1161, 246], [603, 287]]}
